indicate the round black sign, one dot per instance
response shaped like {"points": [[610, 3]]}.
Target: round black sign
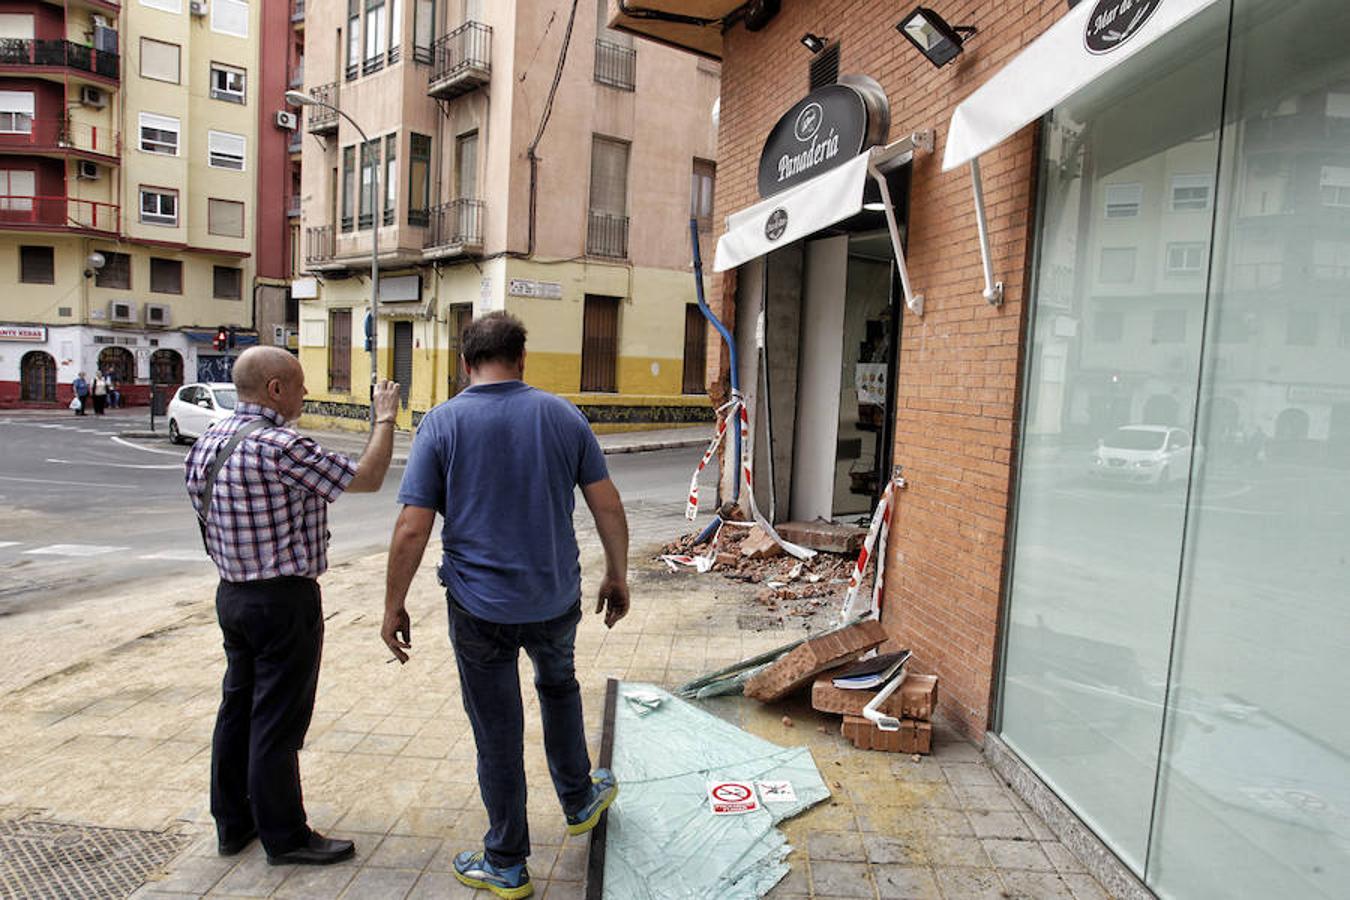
{"points": [[824, 129], [776, 224], [1113, 22]]}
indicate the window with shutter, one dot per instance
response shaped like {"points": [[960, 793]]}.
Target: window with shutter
{"points": [[403, 347], [37, 265], [166, 275], [695, 349]]}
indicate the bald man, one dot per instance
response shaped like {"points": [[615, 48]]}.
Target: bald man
{"points": [[264, 518]]}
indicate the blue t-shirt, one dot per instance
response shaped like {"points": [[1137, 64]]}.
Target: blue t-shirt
{"points": [[501, 463]]}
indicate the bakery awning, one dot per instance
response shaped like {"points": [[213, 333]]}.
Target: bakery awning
{"points": [[817, 204], [1090, 40]]}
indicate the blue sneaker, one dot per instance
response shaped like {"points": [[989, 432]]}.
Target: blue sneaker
{"points": [[604, 788], [512, 882]]}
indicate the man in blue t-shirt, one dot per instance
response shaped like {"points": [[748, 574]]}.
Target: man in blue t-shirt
{"points": [[500, 462]]}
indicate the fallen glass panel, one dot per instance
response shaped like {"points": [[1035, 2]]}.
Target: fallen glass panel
{"points": [[663, 840]]}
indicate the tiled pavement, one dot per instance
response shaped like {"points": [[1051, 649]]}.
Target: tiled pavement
{"points": [[123, 741]]}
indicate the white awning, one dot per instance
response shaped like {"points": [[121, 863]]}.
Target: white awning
{"points": [[1047, 72], [795, 213]]}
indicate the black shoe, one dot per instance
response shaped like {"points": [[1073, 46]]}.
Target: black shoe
{"points": [[236, 846], [320, 851]]}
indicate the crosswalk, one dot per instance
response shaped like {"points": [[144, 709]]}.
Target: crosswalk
{"points": [[62, 426], [86, 551]]}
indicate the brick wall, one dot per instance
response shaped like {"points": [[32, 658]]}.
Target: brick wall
{"points": [[959, 365]]}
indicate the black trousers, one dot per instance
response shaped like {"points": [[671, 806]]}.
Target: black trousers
{"points": [[273, 641]]}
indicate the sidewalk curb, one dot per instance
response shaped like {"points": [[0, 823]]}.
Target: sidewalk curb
{"points": [[145, 435], [654, 445]]}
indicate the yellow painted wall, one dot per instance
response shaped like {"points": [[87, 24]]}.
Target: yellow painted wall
{"points": [[650, 370], [42, 303]]}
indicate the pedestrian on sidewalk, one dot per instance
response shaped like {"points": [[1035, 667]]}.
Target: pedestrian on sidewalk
{"points": [[81, 387], [100, 392], [265, 512], [500, 462], [114, 396]]}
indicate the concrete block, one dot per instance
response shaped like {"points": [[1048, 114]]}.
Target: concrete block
{"points": [[829, 537]]}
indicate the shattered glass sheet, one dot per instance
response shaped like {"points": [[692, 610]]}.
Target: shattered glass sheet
{"points": [[663, 841]]}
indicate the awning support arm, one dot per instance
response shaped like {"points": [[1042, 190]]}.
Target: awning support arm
{"points": [[993, 290], [914, 302]]}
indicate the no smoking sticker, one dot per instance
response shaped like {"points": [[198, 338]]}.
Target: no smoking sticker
{"points": [[730, 798]]}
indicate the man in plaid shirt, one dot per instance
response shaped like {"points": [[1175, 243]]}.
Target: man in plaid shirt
{"points": [[267, 532]]}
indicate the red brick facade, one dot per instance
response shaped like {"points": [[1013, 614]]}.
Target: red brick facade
{"points": [[959, 364]]}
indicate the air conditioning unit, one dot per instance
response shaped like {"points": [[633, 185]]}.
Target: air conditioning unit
{"points": [[121, 311], [92, 96], [86, 170], [158, 315], [287, 119], [99, 21], [197, 7]]}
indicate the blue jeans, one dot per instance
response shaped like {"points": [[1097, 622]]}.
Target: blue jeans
{"points": [[486, 654]]}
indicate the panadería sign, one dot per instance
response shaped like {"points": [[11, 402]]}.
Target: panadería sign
{"points": [[824, 129], [1113, 22]]}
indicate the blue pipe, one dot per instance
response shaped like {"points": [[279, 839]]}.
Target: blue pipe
{"points": [[735, 372]]}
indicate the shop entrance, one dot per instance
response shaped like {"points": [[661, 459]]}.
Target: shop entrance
{"points": [[823, 386]]}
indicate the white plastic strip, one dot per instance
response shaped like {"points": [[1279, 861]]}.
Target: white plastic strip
{"points": [[872, 711]]}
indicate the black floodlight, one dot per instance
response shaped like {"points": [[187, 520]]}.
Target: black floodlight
{"points": [[939, 42], [813, 42]]}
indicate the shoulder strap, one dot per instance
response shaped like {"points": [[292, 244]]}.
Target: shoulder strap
{"points": [[223, 453]]}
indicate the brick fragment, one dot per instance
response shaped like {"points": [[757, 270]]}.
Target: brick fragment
{"points": [[918, 697], [913, 737], [827, 698], [799, 665]]}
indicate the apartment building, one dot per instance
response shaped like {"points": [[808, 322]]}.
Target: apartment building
{"points": [[570, 208], [128, 158]]}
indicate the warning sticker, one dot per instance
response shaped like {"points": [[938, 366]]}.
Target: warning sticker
{"points": [[729, 798], [776, 791]]}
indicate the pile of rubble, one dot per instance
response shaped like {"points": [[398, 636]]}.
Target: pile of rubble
{"points": [[788, 587], [819, 660]]}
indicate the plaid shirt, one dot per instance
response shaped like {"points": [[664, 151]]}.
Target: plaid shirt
{"points": [[269, 508]]}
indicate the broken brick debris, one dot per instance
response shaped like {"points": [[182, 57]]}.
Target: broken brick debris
{"points": [[913, 736], [918, 697], [798, 667], [758, 544], [829, 537], [825, 697]]}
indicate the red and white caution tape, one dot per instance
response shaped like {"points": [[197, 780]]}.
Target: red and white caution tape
{"points": [[873, 546], [700, 564], [735, 408], [691, 508]]}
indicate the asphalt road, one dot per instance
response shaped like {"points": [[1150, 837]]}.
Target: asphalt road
{"points": [[83, 508]]}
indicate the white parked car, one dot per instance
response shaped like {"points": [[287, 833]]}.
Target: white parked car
{"points": [[1144, 454], [197, 406]]}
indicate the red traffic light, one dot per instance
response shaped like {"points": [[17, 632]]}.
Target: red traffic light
{"points": [[222, 341]]}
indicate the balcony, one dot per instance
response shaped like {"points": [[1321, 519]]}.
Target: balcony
{"points": [[293, 207], [294, 143], [19, 54], [320, 246], [454, 228], [58, 137], [298, 13], [321, 119], [615, 65], [297, 75], [59, 214], [607, 236], [461, 61]]}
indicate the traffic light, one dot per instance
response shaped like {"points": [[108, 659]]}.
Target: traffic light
{"points": [[222, 341], [231, 344]]}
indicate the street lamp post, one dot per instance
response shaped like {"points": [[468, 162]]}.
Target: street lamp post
{"points": [[300, 98]]}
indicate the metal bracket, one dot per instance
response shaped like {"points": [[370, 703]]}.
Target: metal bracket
{"points": [[913, 301], [993, 290], [898, 476], [922, 140]]}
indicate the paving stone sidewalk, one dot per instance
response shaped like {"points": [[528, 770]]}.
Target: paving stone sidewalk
{"points": [[123, 741]]}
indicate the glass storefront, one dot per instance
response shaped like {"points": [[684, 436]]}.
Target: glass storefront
{"points": [[1178, 637]]}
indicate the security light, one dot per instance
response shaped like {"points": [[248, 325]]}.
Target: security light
{"points": [[813, 42], [298, 98], [939, 42]]}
